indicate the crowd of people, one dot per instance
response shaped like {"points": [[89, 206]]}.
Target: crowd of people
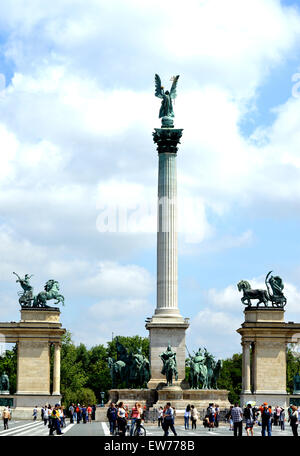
{"points": [[55, 417], [118, 416], [264, 416]]}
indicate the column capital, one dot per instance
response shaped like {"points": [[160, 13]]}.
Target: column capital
{"points": [[246, 343], [167, 139]]}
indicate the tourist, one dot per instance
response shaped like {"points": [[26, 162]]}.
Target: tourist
{"points": [[62, 416], [282, 419], [83, 412], [228, 417], [266, 416], [35, 412], [45, 415], [71, 411], [89, 413], [187, 415], [237, 419], [42, 413], [160, 416], [168, 420], [211, 415], [112, 417], [121, 418], [78, 413], [55, 421], [277, 415], [93, 412], [5, 416], [294, 420], [249, 417], [136, 414], [194, 416], [217, 415]]}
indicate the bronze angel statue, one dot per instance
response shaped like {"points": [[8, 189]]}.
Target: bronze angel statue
{"points": [[166, 109]]}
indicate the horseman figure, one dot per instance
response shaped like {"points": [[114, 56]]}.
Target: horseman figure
{"points": [[170, 365]]}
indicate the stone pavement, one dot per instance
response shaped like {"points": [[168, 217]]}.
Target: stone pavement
{"points": [[37, 428]]}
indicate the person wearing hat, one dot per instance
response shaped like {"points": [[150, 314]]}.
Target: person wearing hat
{"points": [[266, 415]]}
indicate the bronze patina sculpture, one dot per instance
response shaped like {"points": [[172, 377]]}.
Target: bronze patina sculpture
{"points": [[204, 370], [4, 383], [27, 295], [276, 298], [51, 291], [133, 369], [169, 365], [166, 112]]}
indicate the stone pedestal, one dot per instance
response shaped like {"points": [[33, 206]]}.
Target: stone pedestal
{"points": [[264, 339], [162, 332], [38, 329]]}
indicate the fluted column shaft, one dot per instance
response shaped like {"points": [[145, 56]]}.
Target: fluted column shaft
{"points": [[167, 282]]}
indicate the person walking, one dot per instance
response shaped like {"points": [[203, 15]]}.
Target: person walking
{"points": [[78, 413], [89, 414], [249, 417], [45, 415], [5, 417], [35, 412], [282, 419], [294, 421], [112, 417], [121, 418], [266, 416], [71, 412], [187, 415], [217, 415], [194, 416], [237, 419], [211, 415], [160, 413], [55, 421], [168, 416], [83, 412]]}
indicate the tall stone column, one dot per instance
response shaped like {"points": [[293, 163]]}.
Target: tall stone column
{"points": [[246, 368], [56, 370], [167, 326]]}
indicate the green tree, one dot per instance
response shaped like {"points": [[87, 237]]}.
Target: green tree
{"points": [[8, 364], [231, 377], [292, 367]]}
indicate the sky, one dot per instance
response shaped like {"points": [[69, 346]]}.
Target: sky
{"points": [[78, 167]]}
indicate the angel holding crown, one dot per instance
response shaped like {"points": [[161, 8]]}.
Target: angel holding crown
{"points": [[166, 109]]}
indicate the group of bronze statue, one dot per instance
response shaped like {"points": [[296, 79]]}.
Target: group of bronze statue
{"points": [[133, 369], [275, 297], [27, 299], [130, 369]]}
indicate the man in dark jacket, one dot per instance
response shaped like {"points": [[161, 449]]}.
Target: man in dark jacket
{"points": [[112, 415], [266, 415]]}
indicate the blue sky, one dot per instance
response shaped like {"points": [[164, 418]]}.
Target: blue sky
{"points": [[77, 111]]}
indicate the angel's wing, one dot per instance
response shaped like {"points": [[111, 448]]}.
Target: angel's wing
{"points": [[158, 86], [173, 88]]}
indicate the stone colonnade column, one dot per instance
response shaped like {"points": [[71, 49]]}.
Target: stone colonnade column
{"points": [[246, 385], [56, 370]]}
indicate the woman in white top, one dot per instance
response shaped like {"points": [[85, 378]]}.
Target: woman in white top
{"points": [[122, 423]]}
